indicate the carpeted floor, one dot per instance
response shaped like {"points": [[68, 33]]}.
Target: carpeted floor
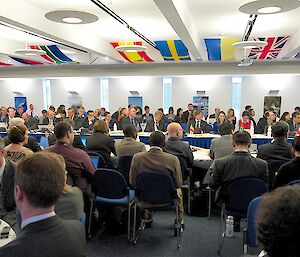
{"points": [[200, 239]]}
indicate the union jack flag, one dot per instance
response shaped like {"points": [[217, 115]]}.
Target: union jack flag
{"points": [[271, 50]]}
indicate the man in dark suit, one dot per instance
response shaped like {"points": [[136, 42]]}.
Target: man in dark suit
{"points": [[108, 120], [197, 125], [90, 120], [39, 181], [3, 115], [294, 123], [30, 122], [157, 124], [147, 115], [291, 170], [279, 149], [215, 114], [263, 123], [188, 113], [131, 119], [7, 179]]}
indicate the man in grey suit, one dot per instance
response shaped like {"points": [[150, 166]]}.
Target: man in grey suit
{"points": [[157, 124], [222, 146], [131, 119], [294, 123], [157, 160], [40, 179], [199, 126], [129, 146]]}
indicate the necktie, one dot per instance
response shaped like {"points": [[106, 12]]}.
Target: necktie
{"points": [[198, 124], [31, 114], [132, 121], [155, 126]]}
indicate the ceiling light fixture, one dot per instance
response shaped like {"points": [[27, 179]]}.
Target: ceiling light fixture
{"points": [[269, 6], [249, 44], [71, 17], [30, 52], [131, 48]]}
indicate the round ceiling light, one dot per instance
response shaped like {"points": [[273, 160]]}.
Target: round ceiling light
{"points": [[131, 48], [30, 52], [71, 17], [269, 6], [249, 44]]}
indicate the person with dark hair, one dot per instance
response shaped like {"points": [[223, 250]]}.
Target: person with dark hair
{"points": [[222, 146], [3, 115], [278, 149], [78, 164], [11, 111], [265, 122], [19, 112], [157, 124], [290, 170], [294, 123], [108, 120], [147, 115], [39, 181], [231, 117], [188, 113], [278, 222], [157, 160], [18, 137], [198, 125], [221, 118], [31, 112], [245, 123], [239, 164], [90, 120], [101, 142], [179, 118], [131, 119], [170, 117], [247, 108], [297, 109], [251, 115], [44, 115], [129, 146], [286, 116]]}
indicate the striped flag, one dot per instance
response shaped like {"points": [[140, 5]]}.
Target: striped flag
{"points": [[220, 48], [25, 61], [173, 50], [133, 57], [271, 50], [192, 130], [5, 64]]}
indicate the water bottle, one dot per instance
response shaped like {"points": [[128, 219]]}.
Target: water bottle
{"points": [[229, 227], [115, 127], [269, 132]]}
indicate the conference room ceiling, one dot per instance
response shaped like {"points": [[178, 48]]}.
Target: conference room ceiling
{"points": [[193, 24]]}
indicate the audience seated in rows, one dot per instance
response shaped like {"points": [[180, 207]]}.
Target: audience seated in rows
{"points": [[265, 122], [157, 124], [278, 149], [39, 181], [291, 170], [129, 146], [198, 125], [155, 160]]}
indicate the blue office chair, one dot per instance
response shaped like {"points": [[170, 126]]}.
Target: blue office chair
{"points": [[124, 163], [294, 182], [44, 142], [273, 167], [236, 199], [110, 188], [156, 191], [97, 159], [249, 234]]}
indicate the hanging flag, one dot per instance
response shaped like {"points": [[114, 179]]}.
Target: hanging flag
{"points": [[133, 57], [192, 130], [271, 50], [25, 61], [53, 54], [220, 48], [173, 50], [4, 64]]}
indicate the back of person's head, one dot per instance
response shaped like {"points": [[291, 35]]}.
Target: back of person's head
{"points": [[16, 122], [296, 144], [130, 131], [16, 134], [61, 129], [241, 138], [245, 113], [280, 129], [100, 126], [226, 128], [174, 130], [70, 121], [41, 177], [278, 222], [295, 114], [157, 138]]}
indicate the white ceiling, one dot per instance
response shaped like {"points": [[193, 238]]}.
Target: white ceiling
{"points": [[188, 20]]}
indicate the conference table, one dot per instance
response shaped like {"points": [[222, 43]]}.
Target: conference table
{"points": [[11, 235]]}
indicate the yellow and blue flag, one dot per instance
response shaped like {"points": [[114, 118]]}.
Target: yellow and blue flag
{"points": [[220, 48], [173, 50]]}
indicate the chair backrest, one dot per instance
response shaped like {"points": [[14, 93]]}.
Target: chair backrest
{"points": [[97, 159], [295, 182], [184, 166], [240, 192], [110, 184], [273, 167], [44, 142], [124, 163], [155, 188], [251, 224]]}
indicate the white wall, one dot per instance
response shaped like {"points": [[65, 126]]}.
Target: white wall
{"points": [[218, 88], [31, 88], [256, 87]]}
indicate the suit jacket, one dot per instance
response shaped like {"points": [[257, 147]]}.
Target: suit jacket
{"points": [[32, 123], [237, 165], [129, 146], [146, 118], [46, 120], [52, 237], [176, 147], [80, 122], [150, 127], [90, 126], [126, 121], [204, 127], [277, 150], [155, 160], [261, 126], [76, 143], [287, 173], [103, 144], [186, 115], [4, 119], [33, 144], [292, 126], [221, 146]]}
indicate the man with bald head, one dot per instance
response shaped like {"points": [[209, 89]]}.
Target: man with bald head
{"points": [[175, 146], [30, 122]]}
